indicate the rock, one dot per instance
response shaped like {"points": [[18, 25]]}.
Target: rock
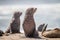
{"points": [[15, 24], [29, 23]]}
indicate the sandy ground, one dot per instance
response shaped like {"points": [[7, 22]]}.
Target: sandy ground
{"points": [[21, 36]]}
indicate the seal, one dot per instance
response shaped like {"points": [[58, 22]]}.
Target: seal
{"points": [[15, 24], [29, 25], [55, 33]]}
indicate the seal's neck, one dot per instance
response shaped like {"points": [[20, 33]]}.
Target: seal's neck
{"points": [[16, 18], [29, 17]]}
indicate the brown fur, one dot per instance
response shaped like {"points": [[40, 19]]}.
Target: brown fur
{"points": [[55, 33], [15, 24], [29, 23]]}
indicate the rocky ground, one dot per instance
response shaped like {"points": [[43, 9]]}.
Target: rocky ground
{"points": [[21, 36]]}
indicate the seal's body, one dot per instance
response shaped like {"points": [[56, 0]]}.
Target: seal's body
{"points": [[29, 23], [15, 24], [55, 33]]}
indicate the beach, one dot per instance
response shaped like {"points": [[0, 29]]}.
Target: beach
{"points": [[21, 36]]}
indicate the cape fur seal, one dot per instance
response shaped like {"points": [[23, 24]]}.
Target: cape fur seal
{"points": [[55, 33], [15, 24], [29, 23]]}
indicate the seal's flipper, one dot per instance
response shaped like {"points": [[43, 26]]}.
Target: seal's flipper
{"points": [[8, 30], [44, 28], [41, 27]]}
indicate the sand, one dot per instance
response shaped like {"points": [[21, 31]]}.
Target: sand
{"points": [[21, 36]]}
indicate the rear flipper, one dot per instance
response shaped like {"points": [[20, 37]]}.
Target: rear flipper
{"points": [[1, 33], [41, 27], [34, 34], [8, 30], [44, 28]]}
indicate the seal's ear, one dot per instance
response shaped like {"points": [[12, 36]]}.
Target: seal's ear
{"points": [[31, 10]]}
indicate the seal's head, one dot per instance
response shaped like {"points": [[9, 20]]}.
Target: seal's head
{"points": [[30, 11], [57, 29], [17, 14]]}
